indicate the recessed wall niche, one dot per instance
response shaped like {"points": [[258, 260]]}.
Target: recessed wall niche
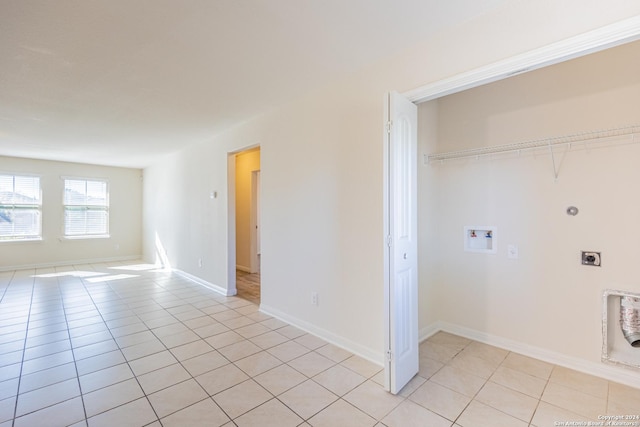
{"points": [[481, 239], [616, 349]]}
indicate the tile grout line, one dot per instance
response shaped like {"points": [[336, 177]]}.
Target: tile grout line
{"points": [[178, 301], [165, 310], [251, 377], [309, 351], [64, 311], [546, 384], [486, 381], [471, 400], [6, 288], [178, 361], [121, 352], [24, 348]]}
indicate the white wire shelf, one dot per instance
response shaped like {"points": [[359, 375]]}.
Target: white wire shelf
{"points": [[550, 143]]}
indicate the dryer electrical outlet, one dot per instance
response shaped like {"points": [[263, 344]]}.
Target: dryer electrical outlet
{"points": [[591, 258]]}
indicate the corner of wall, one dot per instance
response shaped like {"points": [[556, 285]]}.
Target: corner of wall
{"points": [[609, 372]]}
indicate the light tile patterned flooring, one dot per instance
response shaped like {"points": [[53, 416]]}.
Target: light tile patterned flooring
{"points": [[125, 345]]}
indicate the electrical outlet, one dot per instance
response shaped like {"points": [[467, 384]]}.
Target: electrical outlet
{"points": [[591, 258], [314, 298]]}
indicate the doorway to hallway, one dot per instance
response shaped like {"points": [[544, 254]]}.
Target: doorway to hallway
{"points": [[247, 224]]}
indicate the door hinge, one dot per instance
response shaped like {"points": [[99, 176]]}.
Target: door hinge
{"points": [[389, 241], [389, 355], [389, 126]]}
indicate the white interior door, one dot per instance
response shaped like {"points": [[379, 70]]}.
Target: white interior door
{"points": [[401, 267]]}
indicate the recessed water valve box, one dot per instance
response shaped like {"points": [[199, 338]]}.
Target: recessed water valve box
{"points": [[591, 258], [482, 239]]}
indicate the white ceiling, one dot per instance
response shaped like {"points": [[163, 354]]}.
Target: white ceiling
{"points": [[121, 82]]}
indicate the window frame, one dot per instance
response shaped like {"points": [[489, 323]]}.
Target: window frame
{"points": [[87, 207], [37, 206]]}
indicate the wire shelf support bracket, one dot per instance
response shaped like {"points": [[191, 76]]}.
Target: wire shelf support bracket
{"points": [[549, 143]]}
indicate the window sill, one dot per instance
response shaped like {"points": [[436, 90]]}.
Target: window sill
{"points": [[86, 237], [34, 240]]}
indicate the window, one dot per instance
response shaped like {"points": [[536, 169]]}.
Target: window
{"points": [[20, 208], [86, 208]]}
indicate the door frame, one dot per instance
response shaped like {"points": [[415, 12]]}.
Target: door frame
{"points": [[616, 34]]}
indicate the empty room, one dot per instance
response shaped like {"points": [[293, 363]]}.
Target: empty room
{"points": [[319, 213]]}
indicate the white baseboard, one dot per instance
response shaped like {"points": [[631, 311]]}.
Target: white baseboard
{"points": [[219, 289], [619, 374], [340, 341], [71, 262], [429, 331]]}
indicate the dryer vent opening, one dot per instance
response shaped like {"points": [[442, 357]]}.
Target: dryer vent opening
{"points": [[630, 319]]}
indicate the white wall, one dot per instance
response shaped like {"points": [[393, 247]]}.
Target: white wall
{"points": [[546, 298], [321, 162], [125, 214]]}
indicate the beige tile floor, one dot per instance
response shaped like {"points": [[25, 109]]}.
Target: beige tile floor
{"points": [[125, 345]]}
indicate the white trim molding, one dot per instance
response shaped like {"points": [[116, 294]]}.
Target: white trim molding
{"points": [[616, 34], [227, 292], [342, 342], [622, 375]]}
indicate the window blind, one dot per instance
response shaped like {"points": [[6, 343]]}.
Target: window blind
{"points": [[86, 208], [20, 207]]}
